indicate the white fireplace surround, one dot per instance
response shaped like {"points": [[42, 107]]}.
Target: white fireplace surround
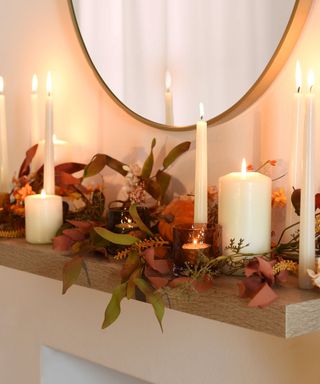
{"points": [[63, 368]]}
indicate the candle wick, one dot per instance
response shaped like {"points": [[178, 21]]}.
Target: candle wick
{"points": [[311, 86], [201, 117], [299, 89]]}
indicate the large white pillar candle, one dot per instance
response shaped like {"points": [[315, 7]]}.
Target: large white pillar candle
{"points": [[201, 172], [245, 209], [43, 215], [168, 100], [307, 206], [4, 161], [48, 172]]}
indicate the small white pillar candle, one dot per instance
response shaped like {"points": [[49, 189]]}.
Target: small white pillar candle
{"points": [[43, 215], [168, 100], [245, 209], [201, 172], [307, 207], [4, 161], [48, 172], [35, 127]]}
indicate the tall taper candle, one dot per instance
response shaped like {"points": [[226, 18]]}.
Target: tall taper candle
{"points": [[295, 170], [4, 161], [35, 129], [48, 175], [168, 100], [201, 172], [307, 207]]}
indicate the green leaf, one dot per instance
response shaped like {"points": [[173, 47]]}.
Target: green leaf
{"points": [[116, 165], [163, 180], [154, 298], [99, 161], [96, 165], [71, 271], [131, 288], [148, 164], [116, 238], [132, 262], [175, 153], [113, 309], [136, 218], [97, 241]]}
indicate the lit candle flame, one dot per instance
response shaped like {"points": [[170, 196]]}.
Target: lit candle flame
{"points": [[244, 167], [201, 108], [34, 84], [49, 84], [43, 194], [168, 81], [195, 242], [310, 80], [1, 85], [298, 77]]}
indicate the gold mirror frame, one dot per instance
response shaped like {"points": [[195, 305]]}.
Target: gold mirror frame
{"points": [[297, 19]]}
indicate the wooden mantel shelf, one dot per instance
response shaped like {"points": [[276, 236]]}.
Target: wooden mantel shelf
{"points": [[295, 312]]}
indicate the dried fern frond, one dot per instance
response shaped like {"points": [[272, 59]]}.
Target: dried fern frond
{"points": [[284, 265], [154, 242]]}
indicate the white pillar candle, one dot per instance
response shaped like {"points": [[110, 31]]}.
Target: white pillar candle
{"points": [[4, 161], [35, 128], [48, 172], [295, 170], [201, 172], [43, 215], [307, 206], [245, 209], [168, 100]]}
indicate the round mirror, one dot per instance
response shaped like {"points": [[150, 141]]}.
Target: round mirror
{"points": [[159, 59]]}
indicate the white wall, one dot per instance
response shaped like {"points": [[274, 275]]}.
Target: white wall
{"points": [[37, 35]]}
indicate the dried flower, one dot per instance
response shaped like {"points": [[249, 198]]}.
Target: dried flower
{"points": [[272, 162], [250, 167], [315, 277], [279, 198], [23, 192], [284, 265]]}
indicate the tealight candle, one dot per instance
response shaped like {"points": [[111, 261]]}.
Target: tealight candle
{"points": [[191, 242], [43, 215], [245, 209]]}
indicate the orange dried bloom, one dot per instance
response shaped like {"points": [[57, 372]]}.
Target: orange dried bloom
{"points": [[250, 167], [273, 162], [23, 192], [279, 198]]}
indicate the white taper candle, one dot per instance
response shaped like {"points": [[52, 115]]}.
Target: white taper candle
{"points": [[48, 175], [307, 206], [201, 172]]}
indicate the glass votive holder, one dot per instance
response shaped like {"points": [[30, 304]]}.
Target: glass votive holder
{"points": [[193, 243], [120, 220]]}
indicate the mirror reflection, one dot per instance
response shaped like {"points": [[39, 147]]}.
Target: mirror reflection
{"points": [[161, 58]]}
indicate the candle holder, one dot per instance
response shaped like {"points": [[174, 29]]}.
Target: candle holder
{"points": [[120, 220], [4, 199], [193, 242]]}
